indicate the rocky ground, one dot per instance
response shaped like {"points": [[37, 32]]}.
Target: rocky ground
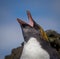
{"points": [[54, 40]]}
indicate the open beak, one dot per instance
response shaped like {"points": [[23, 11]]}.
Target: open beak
{"points": [[31, 22]]}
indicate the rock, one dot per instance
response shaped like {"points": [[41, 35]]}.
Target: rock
{"points": [[54, 39], [16, 53]]}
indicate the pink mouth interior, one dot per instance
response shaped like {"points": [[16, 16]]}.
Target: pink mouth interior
{"points": [[31, 22]]}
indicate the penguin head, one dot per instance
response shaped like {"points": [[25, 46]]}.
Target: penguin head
{"points": [[31, 29]]}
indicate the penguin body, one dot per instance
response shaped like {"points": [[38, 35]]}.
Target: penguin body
{"points": [[35, 45]]}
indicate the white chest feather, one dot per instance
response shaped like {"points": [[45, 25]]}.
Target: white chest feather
{"points": [[33, 50]]}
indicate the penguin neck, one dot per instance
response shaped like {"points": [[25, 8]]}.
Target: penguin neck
{"points": [[33, 50]]}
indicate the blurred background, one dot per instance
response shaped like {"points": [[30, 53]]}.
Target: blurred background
{"points": [[44, 12]]}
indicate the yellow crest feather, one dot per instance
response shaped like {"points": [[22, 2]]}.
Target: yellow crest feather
{"points": [[43, 33]]}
